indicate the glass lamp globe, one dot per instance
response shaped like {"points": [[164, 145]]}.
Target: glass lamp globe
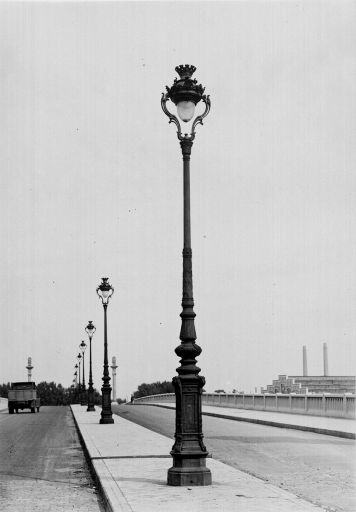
{"points": [[185, 110]]}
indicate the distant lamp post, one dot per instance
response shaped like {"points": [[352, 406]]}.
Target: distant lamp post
{"points": [[189, 452], [83, 401], [76, 374], [105, 291], [79, 358], [90, 330]]}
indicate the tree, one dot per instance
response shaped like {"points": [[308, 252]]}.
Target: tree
{"points": [[4, 389], [155, 388]]}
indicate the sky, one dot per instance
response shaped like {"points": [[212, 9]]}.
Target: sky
{"points": [[91, 186]]}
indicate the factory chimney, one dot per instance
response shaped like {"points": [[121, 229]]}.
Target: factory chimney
{"points": [[305, 363], [326, 365]]}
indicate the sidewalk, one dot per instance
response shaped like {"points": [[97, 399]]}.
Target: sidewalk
{"points": [[131, 462], [338, 427]]}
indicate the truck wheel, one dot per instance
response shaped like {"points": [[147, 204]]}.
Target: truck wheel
{"points": [[38, 409], [11, 411], [17, 411]]}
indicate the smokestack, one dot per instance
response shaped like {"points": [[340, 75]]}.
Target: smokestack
{"points": [[305, 363], [326, 365], [29, 368]]}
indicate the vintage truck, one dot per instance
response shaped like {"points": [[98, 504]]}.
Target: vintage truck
{"points": [[23, 395]]}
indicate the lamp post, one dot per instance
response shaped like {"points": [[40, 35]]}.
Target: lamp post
{"points": [[90, 330], [79, 358], [189, 452], [76, 376], [105, 291], [83, 347]]}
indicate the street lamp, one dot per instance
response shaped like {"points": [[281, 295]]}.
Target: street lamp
{"points": [[76, 375], [90, 330], [105, 291], [189, 452], [79, 358], [82, 347]]}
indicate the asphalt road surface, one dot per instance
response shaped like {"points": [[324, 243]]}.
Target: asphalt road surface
{"points": [[42, 465], [318, 468]]}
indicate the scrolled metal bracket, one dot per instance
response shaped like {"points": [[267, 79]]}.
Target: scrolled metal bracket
{"points": [[174, 119], [199, 119]]}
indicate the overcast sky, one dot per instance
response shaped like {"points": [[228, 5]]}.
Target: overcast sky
{"points": [[91, 186]]}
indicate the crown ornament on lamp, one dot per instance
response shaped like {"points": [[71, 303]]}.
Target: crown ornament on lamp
{"points": [[185, 92]]}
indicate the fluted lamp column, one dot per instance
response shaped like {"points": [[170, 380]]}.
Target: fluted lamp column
{"points": [[105, 291], [90, 330], [189, 452]]}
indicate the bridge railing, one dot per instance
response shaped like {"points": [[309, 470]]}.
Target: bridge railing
{"points": [[334, 406]]}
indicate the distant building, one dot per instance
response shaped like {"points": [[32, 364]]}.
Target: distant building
{"points": [[285, 384], [335, 384], [332, 384]]}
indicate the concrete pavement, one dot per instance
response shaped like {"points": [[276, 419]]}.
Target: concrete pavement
{"points": [[131, 462], [339, 427]]}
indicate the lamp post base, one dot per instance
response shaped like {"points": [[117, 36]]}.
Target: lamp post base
{"points": [[90, 398], [189, 453], [106, 420], [106, 412], [180, 476]]}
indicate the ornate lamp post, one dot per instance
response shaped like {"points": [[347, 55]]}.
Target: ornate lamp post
{"points": [[79, 358], [76, 380], [90, 330], [105, 291], [189, 452], [83, 347]]}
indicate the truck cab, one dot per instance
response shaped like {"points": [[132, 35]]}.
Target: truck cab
{"points": [[23, 395]]}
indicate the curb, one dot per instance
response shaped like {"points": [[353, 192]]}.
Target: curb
{"points": [[106, 502], [316, 430]]}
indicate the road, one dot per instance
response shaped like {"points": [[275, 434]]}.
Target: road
{"points": [[42, 465], [318, 468]]}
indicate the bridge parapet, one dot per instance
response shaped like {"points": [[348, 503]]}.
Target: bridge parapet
{"points": [[333, 406]]}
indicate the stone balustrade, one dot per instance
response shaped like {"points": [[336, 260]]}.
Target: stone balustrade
{"points": [[333, 406]]}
